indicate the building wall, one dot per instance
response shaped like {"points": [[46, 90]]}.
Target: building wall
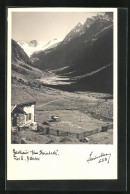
{"points": [[29, 109], [20, 120]]}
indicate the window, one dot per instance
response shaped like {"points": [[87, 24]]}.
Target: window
{"points": [[28, 117]]}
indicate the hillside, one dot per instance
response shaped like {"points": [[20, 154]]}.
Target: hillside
{"points": [[85, 49], [22, 66], [76, 43], [92, 55], [99, 82], [19, 54]]}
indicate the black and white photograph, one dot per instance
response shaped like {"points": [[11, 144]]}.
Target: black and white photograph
{"points": [[62, 77], [62, 94]]}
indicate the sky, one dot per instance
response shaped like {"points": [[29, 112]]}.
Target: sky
{"points": [[45, 26]]}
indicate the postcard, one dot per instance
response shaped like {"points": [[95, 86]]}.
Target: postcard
{"points": [[62, 94]]}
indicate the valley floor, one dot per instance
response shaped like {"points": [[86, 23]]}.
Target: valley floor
{"points": [[77, 111]]}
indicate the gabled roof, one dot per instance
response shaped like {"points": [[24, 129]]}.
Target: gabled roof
{"points": [[18, 109], [19, 96]]}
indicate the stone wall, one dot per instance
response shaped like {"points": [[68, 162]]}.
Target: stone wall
{"points": [[20, 120]]}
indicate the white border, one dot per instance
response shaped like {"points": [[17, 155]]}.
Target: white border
{"points": [[71, 164]]}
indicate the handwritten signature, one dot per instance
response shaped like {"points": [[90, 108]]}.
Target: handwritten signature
{"points": [[103, 157]]}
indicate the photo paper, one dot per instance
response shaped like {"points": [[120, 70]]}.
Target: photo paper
{"points": [[62, 94]]}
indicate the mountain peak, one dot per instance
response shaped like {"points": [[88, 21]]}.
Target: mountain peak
{"points": [[33, 43], [79, 24], [89, 22], [33, 46], [80, 28], [76, 31], [109, 15]]}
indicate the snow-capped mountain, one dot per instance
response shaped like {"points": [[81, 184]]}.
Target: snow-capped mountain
{"points": [[35, 46], [87, 52], [76, 31], [31, 46], [53, 43], [33, 43], [96, 23], [85, 56]]}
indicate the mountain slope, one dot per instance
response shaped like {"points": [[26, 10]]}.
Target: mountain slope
{"points": [[92, 55], [85, 49], [76, 44], [22, 65], [98, 82], [35, 46], [19, 54]]}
